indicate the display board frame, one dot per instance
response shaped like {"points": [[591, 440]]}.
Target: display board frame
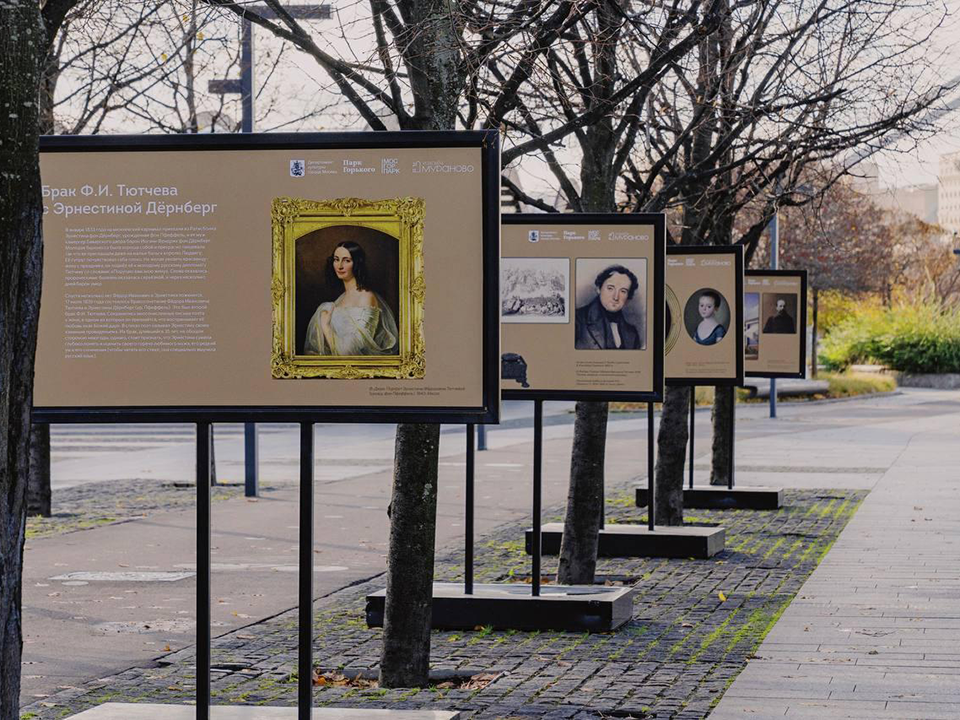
{"points": [[737, 252], [801, 330], [658, 221], [487, 411]]}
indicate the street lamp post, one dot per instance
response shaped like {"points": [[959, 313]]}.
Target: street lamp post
{"points": [[244, 87], [774, 228]]}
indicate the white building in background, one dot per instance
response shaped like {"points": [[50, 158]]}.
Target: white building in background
{"points": [[922, 201], [949, 199]]}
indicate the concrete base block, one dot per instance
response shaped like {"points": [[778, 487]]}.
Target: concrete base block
{"points": [[152, 711], [575, 608], [710, 497], [694, 541]]}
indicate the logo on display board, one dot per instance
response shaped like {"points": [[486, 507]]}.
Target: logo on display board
{"points": [[439, 166], [298, 168], [390, 166], [593, 235], [533, 236], [691, 262]]}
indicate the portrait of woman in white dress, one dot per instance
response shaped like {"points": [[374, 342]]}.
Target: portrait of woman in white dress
{"points": [[359, 321]]}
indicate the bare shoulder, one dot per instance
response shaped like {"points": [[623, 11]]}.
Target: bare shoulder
{"points": [[367, 298]]}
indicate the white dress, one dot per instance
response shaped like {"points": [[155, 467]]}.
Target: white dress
{"points": [[354, 330]]}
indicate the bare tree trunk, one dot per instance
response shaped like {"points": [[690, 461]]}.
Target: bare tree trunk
{"points": [[813, 334], [38, 484], [432, 55], [671, 453], [721, 417], [39, 493], [22, 48], [598, 180], [578, 548], [405, 659]]}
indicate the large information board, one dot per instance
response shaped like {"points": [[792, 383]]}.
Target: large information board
{"points": [[704, 333], [582, 306], [270, 277], [775, 323]]}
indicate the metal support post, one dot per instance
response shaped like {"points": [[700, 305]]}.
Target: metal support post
{"points": [[693, 425], [305, 644], [468, 515], [651, 480], [251, 465], [733, 437], [203, 571], [537, 493]]}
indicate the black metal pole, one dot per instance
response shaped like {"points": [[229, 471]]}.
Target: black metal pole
{"points": [[203, 571], [246, 77], [693, 426], [733, 433], [603, 504], [537, 492], [251, 484], [468, 514], [305, 645], [651, 481]]}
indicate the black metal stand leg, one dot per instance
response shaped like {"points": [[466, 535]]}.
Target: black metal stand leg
{"points": [[468, 515], [305, 656], [693, 427], [733, 434], [203, 571], [537, 492], [251, 476], [603, 503], [651, 480]]}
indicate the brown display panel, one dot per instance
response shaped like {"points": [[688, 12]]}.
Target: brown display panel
{"points": [[557, 336], [200, 311], [704, 338], [775, 323]]}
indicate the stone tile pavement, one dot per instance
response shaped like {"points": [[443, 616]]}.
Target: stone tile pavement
{"points": [[875, 632]]}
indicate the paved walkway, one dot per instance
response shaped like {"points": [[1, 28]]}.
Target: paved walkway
{"points": [[875, 631], [903, 448]]}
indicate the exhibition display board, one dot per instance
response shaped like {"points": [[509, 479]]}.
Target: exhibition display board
{"points": [[704, 315], [775, 323], [581, 306], [348, 277]]}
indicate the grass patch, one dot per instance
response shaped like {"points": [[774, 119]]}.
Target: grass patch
{"points": [[850, 384]]}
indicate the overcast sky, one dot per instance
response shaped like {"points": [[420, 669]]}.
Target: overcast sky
{"points": [[917, 165]]}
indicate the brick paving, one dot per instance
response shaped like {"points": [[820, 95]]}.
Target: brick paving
{"points": [[695, 625]]}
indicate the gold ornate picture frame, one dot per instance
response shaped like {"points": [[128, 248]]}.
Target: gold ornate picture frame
{"points": [[399, 218]]}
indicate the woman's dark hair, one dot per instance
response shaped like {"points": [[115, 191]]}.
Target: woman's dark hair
{"points": [[713, 295], [359, 258], [604, 276]]}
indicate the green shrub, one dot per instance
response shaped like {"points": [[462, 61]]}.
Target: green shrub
{"points": [[912, 338]]}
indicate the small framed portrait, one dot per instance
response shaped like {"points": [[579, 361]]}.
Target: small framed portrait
{"points": [[611, 309], [706, 316], [348, 288], [779, 313], [751, 325], [534, 290]]}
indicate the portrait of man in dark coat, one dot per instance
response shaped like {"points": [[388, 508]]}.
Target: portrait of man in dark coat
{"points": [[781, 323], [600, 324]]}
